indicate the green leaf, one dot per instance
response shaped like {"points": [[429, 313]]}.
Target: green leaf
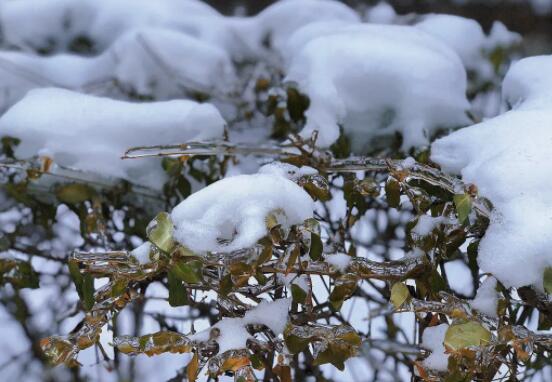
{"points": [[547, 280], [74, 193], [463, 203], [294, 343], [119, 287], [393, 192], [88, 291], [298, 294], [316, 247], [160, 232], [345, 286], [76, 276], [177, 292], [399, 295], [191, 271], [466, 334]]}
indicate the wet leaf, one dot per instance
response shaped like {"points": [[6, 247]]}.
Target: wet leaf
{"points": [[463, 204], [399, 295], [160, 232], [153, 344], [298, 294], [74, 193], [119, 287], [316, 247], [466, 334], [177, 293], [87, 291], [345, 286], [393, 192], [191, 271]]}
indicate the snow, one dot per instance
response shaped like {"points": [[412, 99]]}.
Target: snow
{"points": [[230, 214], [486, 300], [506, 158], [91, 133], [426, 224], [233, 333], [22, 72], [287, 170], [467, 38], [160, 62], [54, 25], [339, 261], [142, 253], [276, 23], [355, 77], [433, 339], [381, 13]]}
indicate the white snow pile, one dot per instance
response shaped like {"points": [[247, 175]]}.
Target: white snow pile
{"points": [[433, 339], [508, 157], [233, 333], [91, 133], [231, 214], [381, 13], [159, 63], [162, 62], [355, 77], [486, 300], [273, 26], [55, 24], [22, 72], [467, 38]]}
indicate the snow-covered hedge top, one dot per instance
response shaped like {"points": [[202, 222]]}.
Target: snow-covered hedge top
{"points": [[275, 24], [54, 25], [91, 133], [159, 63], [507, 158], [162, 62], [231, 214], [356, 76], [466, 37]]}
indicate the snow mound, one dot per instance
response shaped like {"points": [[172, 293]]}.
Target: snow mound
{"points": [[381, 13], [433, 339], [91, 133], [230, 214], [233, 334], [153, 62], [273, 26], [467, 38], [355, 77], [161, 62], [22, 72], [506, 157], [55, 25]]}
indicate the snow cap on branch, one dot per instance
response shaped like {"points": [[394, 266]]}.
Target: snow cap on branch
{"points": [[231, 214]]}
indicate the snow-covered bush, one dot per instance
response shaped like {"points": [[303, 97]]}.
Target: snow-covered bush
{"points": [[314, 192]]}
